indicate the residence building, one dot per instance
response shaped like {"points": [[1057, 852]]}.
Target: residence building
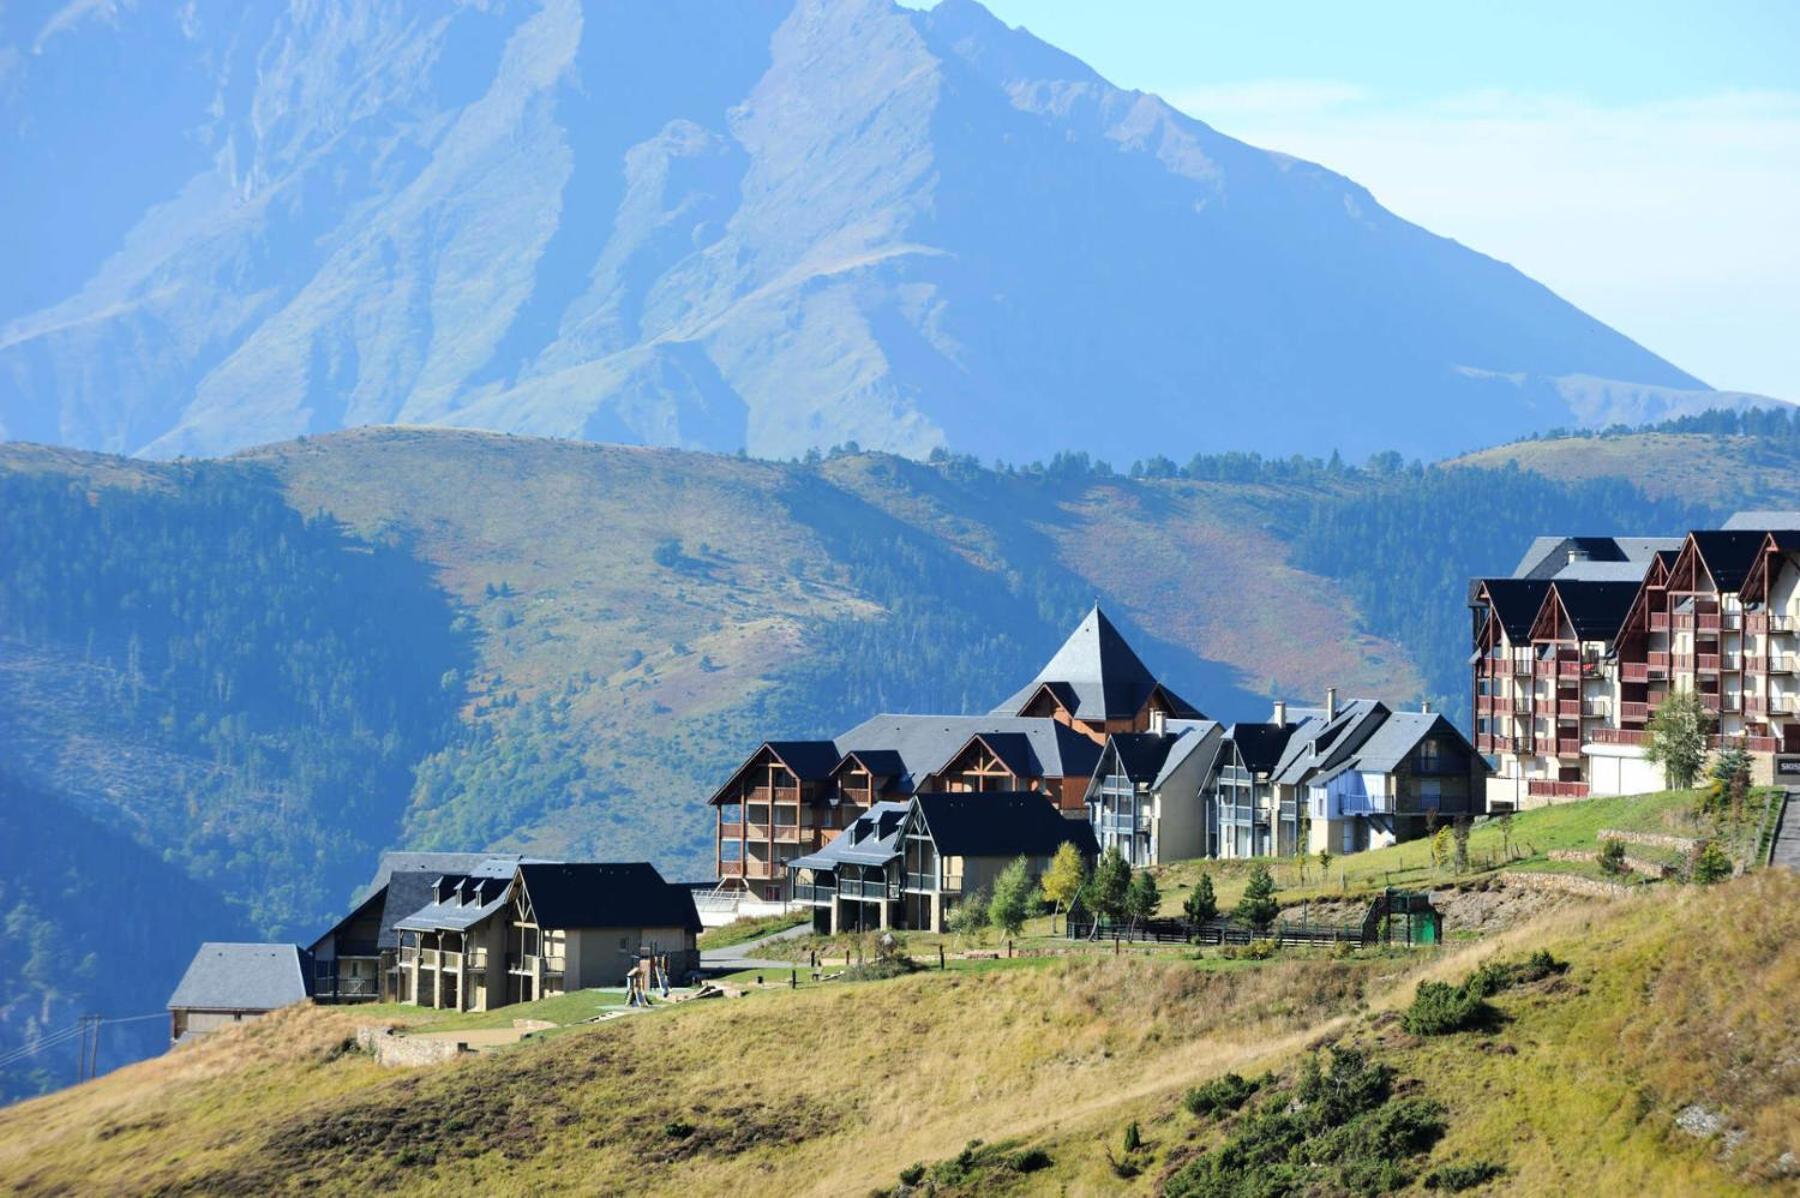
{"points": [[228, 983], [906, 864], [1143, 797], [789, 799], [1617, 625], [509, 933]]}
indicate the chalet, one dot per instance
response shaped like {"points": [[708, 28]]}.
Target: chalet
{"points": [[518, 932], [1563, 698], [1144, 798], [907, 864], [357, 960], [789, 799], [1409, 768], [1240, 800], [227, 984]]}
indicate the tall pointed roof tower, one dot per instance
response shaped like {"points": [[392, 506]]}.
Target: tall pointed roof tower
{"points": [[1095, 679]]}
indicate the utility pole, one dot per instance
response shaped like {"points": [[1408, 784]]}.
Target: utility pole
{"points": [[94, 1060]]}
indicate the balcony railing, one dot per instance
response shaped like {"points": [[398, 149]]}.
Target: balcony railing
{"points": [[1598, 705], [554, 965], [1545, 788], [1568, 746], [409, 956], [1634, 713], [921, 882], [1620, 736], [1707, 663], [1681, 661], [866, 889], [1521, 665], [1783, 663], [1659, 621], [1779, 623], [814, 892], [1708, 622], [1634, 671], [731, 869], [1568, 709], [1568, 667]]}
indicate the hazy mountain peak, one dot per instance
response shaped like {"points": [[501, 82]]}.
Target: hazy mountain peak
{"points": [[771, 225]]}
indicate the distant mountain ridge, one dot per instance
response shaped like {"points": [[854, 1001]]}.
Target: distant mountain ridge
{"points": [[771, 225]]}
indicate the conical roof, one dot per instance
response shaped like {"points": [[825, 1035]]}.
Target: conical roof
{"points": [[1097, 675]]}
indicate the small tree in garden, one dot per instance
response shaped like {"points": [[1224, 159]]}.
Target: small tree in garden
{"points": [[1675, 738], [1504, 820], [1731, 773], [1065, 877], [1258, 907], [1111, 882], [1324, 867], [1442, 848], [1202, 905], [1612, 857], [1303, 833], [1015, 894], [1142, 897], [1459, 833], [970, 917], [1712, 865]]}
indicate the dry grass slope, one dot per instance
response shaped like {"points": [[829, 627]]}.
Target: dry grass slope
{"points": [[1673, 999]]}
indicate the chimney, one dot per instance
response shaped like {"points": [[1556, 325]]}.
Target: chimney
{"points": [[1577, 554], [1280, 712], [1159, 721], [1425, 706], [1331, 703]]}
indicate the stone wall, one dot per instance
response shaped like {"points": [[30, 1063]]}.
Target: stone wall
{"points": [[396, 1051], [1637, 865], [1565, 884], [1656, 840]]}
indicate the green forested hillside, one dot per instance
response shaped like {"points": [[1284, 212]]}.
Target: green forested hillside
{"points": [[265, 669]]}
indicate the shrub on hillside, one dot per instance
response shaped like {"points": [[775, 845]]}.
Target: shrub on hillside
{"points": [[1454, 1178], [1336, 1130], [1440, 1009], [1220, 1096], [1612, 857], [1711, 865]]}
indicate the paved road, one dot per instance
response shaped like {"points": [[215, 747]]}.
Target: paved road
{"points": [[743, 956], [1787, 834]]}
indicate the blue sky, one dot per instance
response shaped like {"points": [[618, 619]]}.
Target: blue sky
{"points": [[1642, 159]]}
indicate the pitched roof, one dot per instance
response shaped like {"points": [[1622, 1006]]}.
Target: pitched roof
{"points": [[1516, 602], [1596, 609], [924, 744], [810, 760], [595, 894], [1000, 824], [1397, 737], [1321, 744], [407, 879], [242, 977], [1547, 556], [1729, 554], [467, 898], [873, 838], [1097, 675], [1260, 745]]}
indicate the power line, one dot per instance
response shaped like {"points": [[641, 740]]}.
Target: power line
{"points": [[61, 1036]]}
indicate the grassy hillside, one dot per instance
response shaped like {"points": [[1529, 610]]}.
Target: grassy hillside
{"points": [[265, 669], [1723, 471], [1672, 1003]]}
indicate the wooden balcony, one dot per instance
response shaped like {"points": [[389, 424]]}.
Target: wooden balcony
{"points": [[1567, 746], [1706, 663], [1708, 622], [1659, 621], [1545, 788], [1634, 713], [1634, 671], [1620, 736], [1658, 659], [1568, 709]]}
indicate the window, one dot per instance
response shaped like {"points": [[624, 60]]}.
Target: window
{"points": [[1430, 754]]}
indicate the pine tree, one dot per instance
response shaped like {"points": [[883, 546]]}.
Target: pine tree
{"points": [[1258, 907], [1111, 882], [1142, 897], [1202, 906]]}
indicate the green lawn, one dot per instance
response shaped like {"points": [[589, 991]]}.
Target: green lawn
{"points": [[740, 931], [563, 1009], [1526, 845]]}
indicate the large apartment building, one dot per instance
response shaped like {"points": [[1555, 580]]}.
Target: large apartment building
{"points": [[1576, 650]]}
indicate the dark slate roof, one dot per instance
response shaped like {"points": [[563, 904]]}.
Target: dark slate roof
{"points": [[1548, 556], [1322, 744], [873, 838], [1260, 745], [594, 894], [1516, 602], [467, 898], [1398, 736], [1596, 609], [242, 977], [1729, 554], [925, 743], [1140, 754], [810, 760], [1000, 824], [883, 763], [1097, 675], [409, 878]]}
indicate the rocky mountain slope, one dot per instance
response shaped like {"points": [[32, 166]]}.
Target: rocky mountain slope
{"points": [[770, 225]]}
